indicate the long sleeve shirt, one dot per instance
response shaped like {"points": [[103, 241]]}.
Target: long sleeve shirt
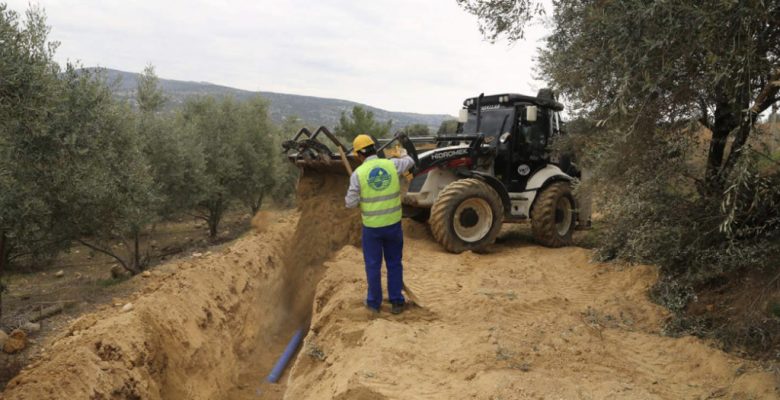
{"points": [[352, 199]]}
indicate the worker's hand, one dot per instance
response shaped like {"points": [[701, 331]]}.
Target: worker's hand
{"points": [[402, 152]]}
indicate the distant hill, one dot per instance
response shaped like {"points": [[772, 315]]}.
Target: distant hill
{"points": [[313, 110]]}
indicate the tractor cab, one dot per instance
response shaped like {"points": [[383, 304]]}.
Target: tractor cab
{"points": [[517, 128]]}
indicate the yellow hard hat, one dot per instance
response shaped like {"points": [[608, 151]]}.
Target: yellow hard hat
{"points": [[361, 142]]}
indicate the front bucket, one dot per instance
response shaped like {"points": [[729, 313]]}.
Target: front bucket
{"points": [[307, 152]]}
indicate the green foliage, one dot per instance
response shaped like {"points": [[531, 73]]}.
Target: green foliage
{"points": [[175, 156], [77, 165], [286, 172], [257, 153], [647, 74], [238, 144], [503, 17], [668, 62], [361, 121], [108, 193], [29, 89], [72, 161], [416, 130], [448, 127], [149, 95]]}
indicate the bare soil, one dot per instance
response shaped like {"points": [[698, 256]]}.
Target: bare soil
{"points": [[520, 322], [87, 283], [523, 322], [740, 310]]}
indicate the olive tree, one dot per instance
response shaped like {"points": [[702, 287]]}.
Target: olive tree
{"points": [[447, 127], [108, 196], [714, 62], [31, 154], [258, 149], [238, 147], [174, 151], [417, 130], [651, 80], [361, 121], [71, 162]]}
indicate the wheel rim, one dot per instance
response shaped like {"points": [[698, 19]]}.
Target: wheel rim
{"points": [[473, 219], [563, 215]]}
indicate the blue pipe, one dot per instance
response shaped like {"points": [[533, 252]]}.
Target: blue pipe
{"points": [[278, 369]]}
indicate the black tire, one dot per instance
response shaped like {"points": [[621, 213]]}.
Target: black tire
{"points": [[467, 215], [553, 216], [422, 216]]}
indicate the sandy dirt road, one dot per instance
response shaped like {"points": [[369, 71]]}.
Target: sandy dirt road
{"points": [[524, 322]]}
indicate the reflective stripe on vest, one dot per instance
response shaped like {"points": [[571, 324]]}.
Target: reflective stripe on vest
{"points": [[380, 193]]}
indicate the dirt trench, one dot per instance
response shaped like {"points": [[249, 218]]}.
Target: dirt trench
{"points": [[205, 327]]}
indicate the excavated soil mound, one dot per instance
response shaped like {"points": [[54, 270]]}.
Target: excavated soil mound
{"points": [[183, 338], [204, 327], [523, 322], [324, 227]]}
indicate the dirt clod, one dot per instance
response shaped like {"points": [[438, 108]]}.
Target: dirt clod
{"points": [[16, 341]]}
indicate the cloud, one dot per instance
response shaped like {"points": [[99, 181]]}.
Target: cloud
{"points": [[403, 55]]}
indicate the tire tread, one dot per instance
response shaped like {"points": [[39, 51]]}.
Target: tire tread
{"points": [[543, 216], [444, 208]]}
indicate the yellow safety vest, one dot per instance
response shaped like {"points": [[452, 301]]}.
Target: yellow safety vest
{"points": [[380, 193]]}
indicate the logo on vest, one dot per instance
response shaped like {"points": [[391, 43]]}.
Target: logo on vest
{"points": [[379, 179]]}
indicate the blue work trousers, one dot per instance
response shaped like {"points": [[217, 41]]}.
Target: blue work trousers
{"points": [[387, 240]]}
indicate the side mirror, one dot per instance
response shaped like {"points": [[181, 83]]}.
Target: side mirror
{"points": [[530, 113], [463, 115]]}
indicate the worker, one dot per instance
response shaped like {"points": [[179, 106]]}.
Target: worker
{"points": [[375, 186]]}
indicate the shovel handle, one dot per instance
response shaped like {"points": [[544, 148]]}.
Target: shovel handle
{"points": [[345, 161]]}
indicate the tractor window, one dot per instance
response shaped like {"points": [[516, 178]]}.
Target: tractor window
{"points": [[534, 135], [494, 122]]}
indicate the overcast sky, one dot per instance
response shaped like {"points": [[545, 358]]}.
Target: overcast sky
{"points": [[401, 55]]}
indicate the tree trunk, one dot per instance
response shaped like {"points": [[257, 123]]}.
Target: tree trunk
{"points": [[136, 250], [213, 225], [215, 216], [256, 204], [3, 255], [3, 264], [133, 269], [725, 121]]}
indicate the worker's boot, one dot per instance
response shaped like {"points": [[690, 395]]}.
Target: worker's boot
{"points": [[371, 310], [398, 308]]}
